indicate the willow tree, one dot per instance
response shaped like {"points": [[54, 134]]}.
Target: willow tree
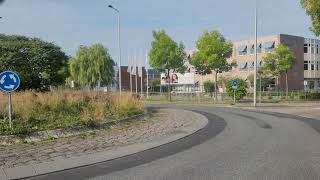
{"points": [[92, 66], [166, 55], [211, 55]]}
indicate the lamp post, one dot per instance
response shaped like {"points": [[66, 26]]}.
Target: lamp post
{"points": [[256, 54], [119, 44]]}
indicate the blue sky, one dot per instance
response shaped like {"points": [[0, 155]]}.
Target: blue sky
{"points": [[70, 23]]}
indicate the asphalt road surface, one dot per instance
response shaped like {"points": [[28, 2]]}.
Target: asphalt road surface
{"points": [[236, 144]]}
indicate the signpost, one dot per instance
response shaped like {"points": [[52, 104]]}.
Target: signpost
{"points": [[9, 82], [234, 87]]}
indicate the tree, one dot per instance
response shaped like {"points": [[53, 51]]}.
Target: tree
{"points": [[241, 90], [155, 85], [213, 51], [209, 87], [92, 66], [313, 10], [279, 62], [265, 81], [166, 55], [39, 64]]}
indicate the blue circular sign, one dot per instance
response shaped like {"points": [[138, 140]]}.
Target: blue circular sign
{"points": [[9, 81], [234, 84]]}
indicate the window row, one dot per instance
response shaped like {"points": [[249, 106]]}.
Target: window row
{"points": [[249, 65], [314, 49], [311, 65], [249, 49]]}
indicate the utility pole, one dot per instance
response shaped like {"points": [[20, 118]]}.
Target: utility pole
{"points": [[256, 55]]}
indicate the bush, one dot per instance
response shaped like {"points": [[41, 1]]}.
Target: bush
{"points": [[208, 87], [241, 90], [65, 109]]}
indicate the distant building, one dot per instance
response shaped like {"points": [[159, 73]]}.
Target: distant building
{"points": [[125, 79], [305, 73]]}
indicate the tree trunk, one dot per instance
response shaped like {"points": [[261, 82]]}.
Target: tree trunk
{"points": [[287, 88], [216, 86]]}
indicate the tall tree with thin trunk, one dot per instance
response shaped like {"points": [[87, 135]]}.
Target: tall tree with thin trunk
{"points": [[166, 55], [211, 55], [279, 62], [313, 10]]}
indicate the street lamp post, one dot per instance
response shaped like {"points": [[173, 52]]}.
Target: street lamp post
{"points": [[256, 55], [119, 44]]}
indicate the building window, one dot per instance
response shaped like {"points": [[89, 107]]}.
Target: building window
{"points": [[312, 67], [306, 65], [252, 49], [305, 49], [242, 66], [242, 50], [269, 46], [259, 48]]}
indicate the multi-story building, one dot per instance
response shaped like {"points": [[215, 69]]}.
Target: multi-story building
{"points": [[305, 73]]}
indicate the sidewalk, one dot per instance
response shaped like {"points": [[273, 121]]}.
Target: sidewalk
{"points": [[308, 109], [25, 160]]}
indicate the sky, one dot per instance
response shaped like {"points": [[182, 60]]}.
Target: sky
{"points": [[71, 23]]}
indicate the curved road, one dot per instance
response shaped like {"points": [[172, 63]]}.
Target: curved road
{"points": [[236, 144]]}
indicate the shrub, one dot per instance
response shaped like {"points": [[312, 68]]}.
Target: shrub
{"points": [[241, 90], [208, 87]]}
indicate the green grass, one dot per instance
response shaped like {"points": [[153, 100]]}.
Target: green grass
{"points": [[68, 109]]}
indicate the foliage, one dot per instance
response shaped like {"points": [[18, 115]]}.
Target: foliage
{"points": [[313, 10], [166, 54], [265, 81], [65, 109], [279, 62], [208, 87], [213, 51], [241, 90], [91, 66], [38, 63]]}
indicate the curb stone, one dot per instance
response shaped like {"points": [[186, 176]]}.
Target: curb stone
{"points": [[62, 133], [69, 163]]}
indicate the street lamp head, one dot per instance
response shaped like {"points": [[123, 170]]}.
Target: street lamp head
{"points": [[110, 6]]}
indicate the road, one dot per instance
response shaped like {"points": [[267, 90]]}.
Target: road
{"points": [[236, 144]]}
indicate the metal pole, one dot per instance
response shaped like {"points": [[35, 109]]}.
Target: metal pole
{"points": [[130, 64], [141, 81], [119, 43], [260, 90], [256, 55], [147, 69], [135, 57], [10, 111]]}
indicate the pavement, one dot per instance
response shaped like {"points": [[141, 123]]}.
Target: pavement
{"points": [[306, 109], [236, 144], [165, 126]]}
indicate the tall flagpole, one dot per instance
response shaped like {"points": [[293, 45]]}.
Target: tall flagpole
{"points": [[141, 78], [256, 54], [130, 65], [136, 72], [147, 70]]}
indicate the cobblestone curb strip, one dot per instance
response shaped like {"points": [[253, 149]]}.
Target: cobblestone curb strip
{"points": [[62, 133], [193, 123]]}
